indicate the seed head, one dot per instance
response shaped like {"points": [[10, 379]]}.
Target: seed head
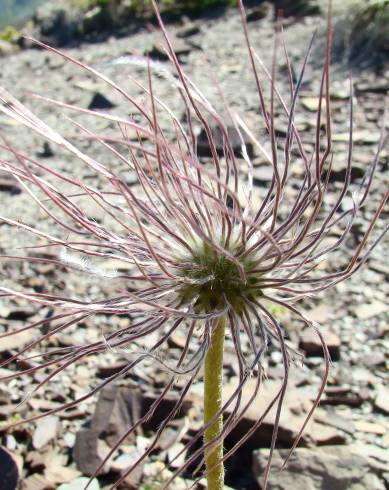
{"points": [[217, 280]]}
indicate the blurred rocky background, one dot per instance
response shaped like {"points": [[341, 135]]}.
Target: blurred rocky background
{"points": [[346, 445]]}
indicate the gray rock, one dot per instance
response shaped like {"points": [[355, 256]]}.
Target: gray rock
{"points": [[16, 341], [339, 170], [258, 12], [263, 175], [365, 311], [382, 400], [204, 149], [94, 20], [158, 53], [85, 452], [99, 101], [46, 151], [80, 484], [115, 412], [7, 48], [380, 87], [327, 468], [57, 23], [46, 431], [187, 30], [123, 462], [293, 414], [310, 343], [9, 185], [298, 8]]}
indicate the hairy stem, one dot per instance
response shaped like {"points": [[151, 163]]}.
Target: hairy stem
{"points": [[213, 385]]}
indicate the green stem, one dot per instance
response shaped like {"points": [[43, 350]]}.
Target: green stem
{"points": [[213, 386]]}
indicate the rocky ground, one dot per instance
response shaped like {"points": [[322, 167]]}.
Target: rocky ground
{"points": [[346, 445]]}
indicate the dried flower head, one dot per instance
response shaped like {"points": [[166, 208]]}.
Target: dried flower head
{"points": [[200, 249]]}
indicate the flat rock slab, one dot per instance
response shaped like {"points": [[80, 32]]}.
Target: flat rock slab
{"points": [[296, 404], [327, 468]]}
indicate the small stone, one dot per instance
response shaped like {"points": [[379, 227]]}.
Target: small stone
{"points": [[158, 53], [374, 360], [109, 370], [312, 103], [99, 101], [46, 151], [69, 439], [340, 92], [5, 393], [11, 442], [263, 175], [339, 170], [377, 88], [116, 410], [351, 401], [257, 13], [6, 48], [298, 8], [8, 470], [382, 400], [337, 390], [142, 443], [310, 343], [385, 439], [80, 484], [276, 358], [82, 375], [370, 310], [369, 427], [123, 462], [36, 461], [43, 405], [163, 410], [365, 137], [204, 148], [168, 438], [187, 30], [320, 313], [177, 339], [131, 178], [10, 185], [334, 419], [324, 435], [45, 431], [61, 474], [37, 482], [176, 455], [18, 313], [85, 452], [385, 477]]}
